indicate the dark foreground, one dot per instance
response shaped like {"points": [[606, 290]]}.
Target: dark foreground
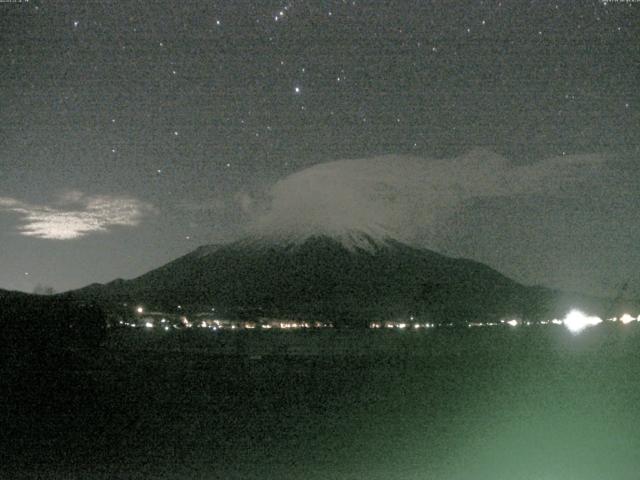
{"points": [[535, 404]]}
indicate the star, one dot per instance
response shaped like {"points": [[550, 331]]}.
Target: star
{"points": [[296, 89], [76, 23]]}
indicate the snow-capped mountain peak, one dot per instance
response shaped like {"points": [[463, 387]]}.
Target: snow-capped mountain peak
{"points": [[369, 240]]}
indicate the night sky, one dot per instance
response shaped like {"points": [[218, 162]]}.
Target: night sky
{"points": [[133, 132]]}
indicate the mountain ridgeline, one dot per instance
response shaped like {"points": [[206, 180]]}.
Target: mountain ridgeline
{"points": [[36, 326], [350, 284]]}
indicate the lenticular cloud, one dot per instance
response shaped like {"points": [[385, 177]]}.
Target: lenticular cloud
{"points": [[393, 195], [75, 215]]}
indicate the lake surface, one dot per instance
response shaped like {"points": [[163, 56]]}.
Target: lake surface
{"points": [[525, 403]]}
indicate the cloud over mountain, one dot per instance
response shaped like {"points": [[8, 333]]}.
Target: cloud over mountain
{"points": [[402, 196]]}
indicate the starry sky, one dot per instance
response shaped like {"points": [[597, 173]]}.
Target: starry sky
{"points": [[133, 132]]}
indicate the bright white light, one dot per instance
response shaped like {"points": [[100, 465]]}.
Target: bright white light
{"points": [[140, 310], [148, 325], [513, 323], [626, 318], [576, 321]]}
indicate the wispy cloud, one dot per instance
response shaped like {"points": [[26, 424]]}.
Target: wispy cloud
{"points": [[75, 215], [403, 196]]}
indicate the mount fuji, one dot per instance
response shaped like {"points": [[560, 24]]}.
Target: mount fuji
{"points": [[351, 279]]}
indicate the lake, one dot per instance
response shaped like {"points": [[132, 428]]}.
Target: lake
{"points": [[504, 403]]}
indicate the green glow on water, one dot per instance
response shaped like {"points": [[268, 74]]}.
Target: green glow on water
{"points": [[519, 404]]}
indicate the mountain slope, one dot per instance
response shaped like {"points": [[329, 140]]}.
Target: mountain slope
{"points": [[322, 277]]}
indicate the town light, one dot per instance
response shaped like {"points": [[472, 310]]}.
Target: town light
{"points": [[626, 318], [576, 321]]}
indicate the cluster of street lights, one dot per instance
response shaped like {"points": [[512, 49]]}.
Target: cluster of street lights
{"points": [[575, 321]]}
